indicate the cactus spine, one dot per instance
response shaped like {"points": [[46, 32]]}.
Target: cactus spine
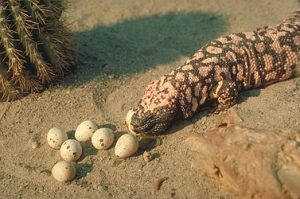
{"points": [[35, 46]]}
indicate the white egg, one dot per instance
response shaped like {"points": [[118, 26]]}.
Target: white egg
{"points": [[56, 137], [85, 130], [64, 171], [128, 122], [103, 138], [126, 146], [70, 150]]}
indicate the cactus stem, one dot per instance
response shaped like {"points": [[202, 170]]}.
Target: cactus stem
{"points": [[35, 46], [7, 91], [39, 12], [61, 60], [15, 59], [21, 19]]}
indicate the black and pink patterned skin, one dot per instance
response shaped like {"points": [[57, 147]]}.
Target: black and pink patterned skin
{"points": [[219, 72]]}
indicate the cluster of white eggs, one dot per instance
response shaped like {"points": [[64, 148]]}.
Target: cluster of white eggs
{"points": [[71, 149]]}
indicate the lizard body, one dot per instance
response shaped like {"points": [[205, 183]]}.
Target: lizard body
{"points": [[219, 71]]}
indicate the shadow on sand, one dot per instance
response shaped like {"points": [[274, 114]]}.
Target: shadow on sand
{"points": [[138, 44]]}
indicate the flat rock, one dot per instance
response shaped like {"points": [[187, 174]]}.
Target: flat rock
{"points": [[249, 163]]}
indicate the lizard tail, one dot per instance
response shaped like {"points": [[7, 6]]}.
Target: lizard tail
{"points": [[294, 18]]}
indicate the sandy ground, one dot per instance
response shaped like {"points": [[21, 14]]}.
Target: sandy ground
{"points": [[122, 46]]}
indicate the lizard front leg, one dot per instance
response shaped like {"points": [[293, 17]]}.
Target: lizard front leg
{"points": [[227, 93]]}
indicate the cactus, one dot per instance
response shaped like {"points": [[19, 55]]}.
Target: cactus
{"points": [[35, 46]]}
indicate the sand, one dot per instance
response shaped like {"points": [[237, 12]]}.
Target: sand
{"points": [[122, 46]]}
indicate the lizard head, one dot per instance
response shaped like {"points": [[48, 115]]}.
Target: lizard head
{"points": [[156, 110]]}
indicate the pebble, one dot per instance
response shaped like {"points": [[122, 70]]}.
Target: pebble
{"points": [[34, 144], [147, 156]]}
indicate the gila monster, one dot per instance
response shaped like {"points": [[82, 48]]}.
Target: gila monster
{"points": [[218, 72]]}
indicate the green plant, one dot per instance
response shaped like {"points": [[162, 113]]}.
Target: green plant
{"points": [[35, 46]]}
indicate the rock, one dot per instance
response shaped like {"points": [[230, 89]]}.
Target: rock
{"points": [[228, 118], [250, 163], [34, 144], [147, 156]]}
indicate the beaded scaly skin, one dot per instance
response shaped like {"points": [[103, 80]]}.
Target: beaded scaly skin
{"points": [[218, 72]]}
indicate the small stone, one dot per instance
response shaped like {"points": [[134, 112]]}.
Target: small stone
{"points": [[111, 76], [147, 156], [34, 144]]}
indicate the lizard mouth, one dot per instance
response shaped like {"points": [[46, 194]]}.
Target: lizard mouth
{"points": [[137, 125]]}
